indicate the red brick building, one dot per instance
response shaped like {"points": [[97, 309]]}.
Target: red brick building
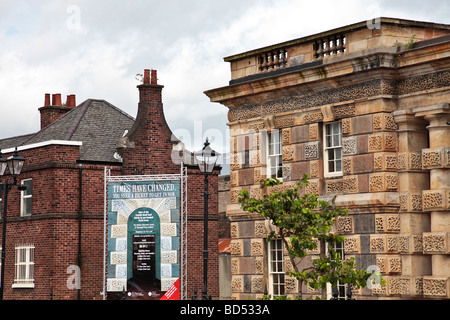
{"points": [[57, 224]]}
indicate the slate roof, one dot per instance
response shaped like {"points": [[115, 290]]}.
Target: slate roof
{"points": [[96, 123]]}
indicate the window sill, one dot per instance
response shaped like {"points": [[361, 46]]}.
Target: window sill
{"points": [[23, 285], [333, 175]]}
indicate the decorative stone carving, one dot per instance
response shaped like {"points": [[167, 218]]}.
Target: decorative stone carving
{"points": [[394, 264], [377, 244], [234, 229], [399, 285], [313, 131], [288, 154], [350, 145], [313, 117], [286, 136], [237, 283], [346, 126], [382, 142], [435, 243], [311, 150], [434, 200], [344, 111], [257, 247], [384, 122], [347, 164], [234, 194], [352, 245], [403, 244], [284, 121], [418, 285], [392, 243], [260, 229], [417, 243], [334, 186], [291, 285], [257, 283], [344, 224], [410, 201], [287, 172], [383, 182], [350, 184], [435, 158], [259, 265], [314, 169], [313, 187], [435, 286], [335, 95], [236, 247]]}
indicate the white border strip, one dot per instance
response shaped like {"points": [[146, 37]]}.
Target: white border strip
{"points": [[44, 144]]}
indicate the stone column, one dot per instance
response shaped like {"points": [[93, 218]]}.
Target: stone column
{"points": [[412, 138], [436, 200]]}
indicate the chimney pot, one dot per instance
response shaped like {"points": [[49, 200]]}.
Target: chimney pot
{"points": [[71, 101], [154, 77], [56, 99], [147, 76], [47, 99]]}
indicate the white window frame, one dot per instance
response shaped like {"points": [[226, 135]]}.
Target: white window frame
{"points": [[335, 148], [24, 197], [24, 266], [342, 288], [277, 276], [274, 155]]}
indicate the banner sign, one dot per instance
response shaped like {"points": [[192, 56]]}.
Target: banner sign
{"points": [[143, 250]]}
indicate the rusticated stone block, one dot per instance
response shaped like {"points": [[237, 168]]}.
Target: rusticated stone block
{"points": [[352, 244], [384, 122], [410, 201], [435, 158], [383, 182], [344, 224], [350, 184], [311, 150], [384, 161], [313, 132], [377, 244], [237, 283], [399, 285], [382, 142], [334, 186], [435, 243], [435, 286], [350, 145], [434, 200]]}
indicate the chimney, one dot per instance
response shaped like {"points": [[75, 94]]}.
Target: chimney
{"points": [[56, 99], [54, 110], [147, 147], [70, 102]]}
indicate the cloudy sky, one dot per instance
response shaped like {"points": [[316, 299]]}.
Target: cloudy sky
{"points": [[94, 49]]}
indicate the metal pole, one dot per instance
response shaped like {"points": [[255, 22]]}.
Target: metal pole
{"points": [[205, 241], [5, 201]]}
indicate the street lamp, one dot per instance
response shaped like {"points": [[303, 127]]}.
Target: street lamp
{"points": [[206, 159], [15, 165]]}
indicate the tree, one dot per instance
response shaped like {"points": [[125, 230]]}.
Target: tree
{"points": [[307, 222]]}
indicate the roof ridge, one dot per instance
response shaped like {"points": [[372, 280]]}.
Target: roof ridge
{"points": [[83, 107]]}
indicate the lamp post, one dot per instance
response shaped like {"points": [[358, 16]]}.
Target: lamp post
{"points": [[15, 165], [207, 159]]}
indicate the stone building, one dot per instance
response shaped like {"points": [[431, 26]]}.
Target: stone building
{"points": [[57, 225], [364, 111]]}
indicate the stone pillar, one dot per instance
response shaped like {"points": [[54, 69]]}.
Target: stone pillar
{"points": [[436, 200], [412, 138]]}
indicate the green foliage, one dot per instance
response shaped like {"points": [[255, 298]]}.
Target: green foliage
{"points": [[307, 221]]}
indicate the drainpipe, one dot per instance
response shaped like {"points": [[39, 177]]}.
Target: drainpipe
{"points": [[80, 211]]}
